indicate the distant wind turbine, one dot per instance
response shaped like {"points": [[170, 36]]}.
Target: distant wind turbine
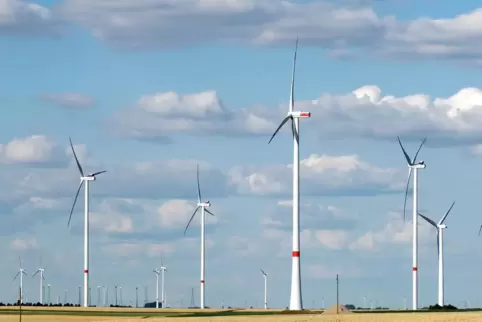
{"points": [[265, 289], [163, 270], [296, 301], [158, 272], [21, 272], [203, 205], [42, 279], [440, 226], [86, 179], [414, 166]]}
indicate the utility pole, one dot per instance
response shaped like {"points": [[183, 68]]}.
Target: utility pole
{"points": [[137, 296], [192, 297], [337, 294], [80, 296], [115, 287]]}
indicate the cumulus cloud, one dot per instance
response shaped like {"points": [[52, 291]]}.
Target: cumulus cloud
{"points": [[363, 113], [33, 150], [394, 232], [344, 26], [176, 213], [25, 17], [320, 174], [68, 100], [23, 243], [154, 117]]}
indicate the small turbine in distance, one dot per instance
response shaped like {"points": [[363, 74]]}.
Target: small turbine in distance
{"points": [[265, 289], [157, 271], [440, 226], [203, 206], [21, 272], [86, 179], [42, 279], [163, 270]]}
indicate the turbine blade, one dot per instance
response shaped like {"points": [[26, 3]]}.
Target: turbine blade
{"points": [[406, 194], [162, 262], [292, 90], [404, 152], [24, 272], [75, 200], [416, 154], [208, 212], [43, 277], [97, 173], [76, 159], [15, 276], [35, 274], [279, 127], [198, 185], [430, 221], [446, 214], [295, 132], [191, 219], [263, 272], [480, 229]]}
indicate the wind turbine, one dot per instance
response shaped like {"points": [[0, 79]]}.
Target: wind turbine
{"points": [[413, 166], [158, 272], [296, 302], [42, 279], [163, 270], [265, 289], [203, 205], [440, 226], [86, 179], [21, 272]]}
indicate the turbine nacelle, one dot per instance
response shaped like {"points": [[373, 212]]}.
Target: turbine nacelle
{"points": [[442, 226], [204, 204], [88, 178], [299, 114], [419, 165]]}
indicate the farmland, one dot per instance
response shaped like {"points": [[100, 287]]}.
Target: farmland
{"points": [[69, 314]]}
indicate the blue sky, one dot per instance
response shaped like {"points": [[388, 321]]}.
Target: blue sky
{"points": [[148, 89]]}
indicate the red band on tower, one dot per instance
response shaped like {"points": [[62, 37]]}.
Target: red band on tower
{"points": [[414, 269], [202, 281], [296, 253], [86, 271]]}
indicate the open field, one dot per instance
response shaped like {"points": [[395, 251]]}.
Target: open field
{"points": [[72, 314]]}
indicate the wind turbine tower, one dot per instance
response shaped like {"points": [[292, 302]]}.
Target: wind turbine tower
{"points": [[296, 302], [42, 279], [158, 272], [203, 205], [265, 289], [21, 272], [163, 270], [87, 179], [440, 226], [413, 166]]}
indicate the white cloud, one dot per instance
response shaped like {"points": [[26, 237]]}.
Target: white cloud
{"points": [[395, 232], [23, 243], [129, 249], [32, 150], [176, 213], [363, 113], [320, 174], [24, 17], [156, 116], [347, 27], [69, 100], [332, 239]]}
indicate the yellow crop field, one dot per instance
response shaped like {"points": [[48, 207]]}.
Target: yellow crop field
{"points": [[76, 314]]}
